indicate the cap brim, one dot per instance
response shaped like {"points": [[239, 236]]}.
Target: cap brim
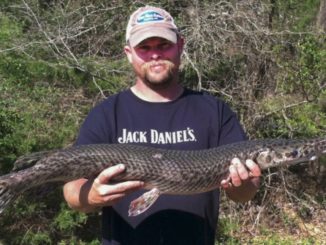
{"points": [[145, 33]]}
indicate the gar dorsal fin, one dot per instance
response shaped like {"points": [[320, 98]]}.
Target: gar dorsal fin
{"points": [[30, 160]]}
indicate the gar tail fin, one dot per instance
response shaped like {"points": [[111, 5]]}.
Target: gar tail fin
{"points": [[6, 194]]}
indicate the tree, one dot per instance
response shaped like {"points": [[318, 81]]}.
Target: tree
{"points": [[321, 18]]}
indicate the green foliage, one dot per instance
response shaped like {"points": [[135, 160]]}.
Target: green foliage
{"points": [[9, 30], [37, 238], [309, 66], [29, 119], [35, 219], [68, 220], [39, 110], [273, 239], [108, 76], [300, 120], [296, 15], [295, 110], [226, 230]]}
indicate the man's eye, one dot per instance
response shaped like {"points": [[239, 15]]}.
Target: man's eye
{"points": [[165, 46], [143, 48]]}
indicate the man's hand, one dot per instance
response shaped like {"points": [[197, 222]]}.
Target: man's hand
{"points": [[243, 181], [86, 195], [102, 193]]}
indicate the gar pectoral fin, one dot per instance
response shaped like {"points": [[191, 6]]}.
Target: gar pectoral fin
{"points": [[144, 202]]}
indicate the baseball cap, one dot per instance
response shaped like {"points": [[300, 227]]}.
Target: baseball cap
{"points": [[148, 22]]}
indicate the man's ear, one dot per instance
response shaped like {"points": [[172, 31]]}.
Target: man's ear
{"points": [[181, 43], [127, 50]]}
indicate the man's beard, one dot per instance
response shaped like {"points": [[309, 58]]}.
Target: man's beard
{"points": [[163, 80]]}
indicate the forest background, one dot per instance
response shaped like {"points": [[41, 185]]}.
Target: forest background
{"points": [[266, 59]]}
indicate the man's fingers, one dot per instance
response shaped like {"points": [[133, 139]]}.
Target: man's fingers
{"points": [[103, 192], [253, 168], [235, 178], [119, 188], [240, 172], [109, 173], [240, 168], [111, 199], [226, 183]]}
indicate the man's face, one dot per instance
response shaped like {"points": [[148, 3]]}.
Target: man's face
{"points": [[156, 61]]}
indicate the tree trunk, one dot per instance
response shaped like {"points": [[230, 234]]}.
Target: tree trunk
{"points": [[321, 18]]}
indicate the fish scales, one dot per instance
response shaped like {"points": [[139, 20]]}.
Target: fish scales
{"points": [[169, 171]]}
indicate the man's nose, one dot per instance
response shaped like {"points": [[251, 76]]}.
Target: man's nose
{"points": [[155, 54]]}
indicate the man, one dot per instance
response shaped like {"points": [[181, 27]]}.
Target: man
{"points": [[159, 112]]}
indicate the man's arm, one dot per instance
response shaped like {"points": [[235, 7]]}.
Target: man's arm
{"points": [[88, 195], [243, 181]]}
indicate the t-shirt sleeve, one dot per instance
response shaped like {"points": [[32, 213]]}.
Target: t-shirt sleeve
{"points": [[94, 129], [231, 130]]}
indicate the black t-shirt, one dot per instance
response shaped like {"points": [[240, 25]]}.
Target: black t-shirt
{"points": [[193, 121]]}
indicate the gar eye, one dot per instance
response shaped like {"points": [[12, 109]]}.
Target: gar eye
{"points": [[292, 154], [295, 153]]}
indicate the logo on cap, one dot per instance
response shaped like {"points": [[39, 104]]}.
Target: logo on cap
{"points": [[149, 16]]}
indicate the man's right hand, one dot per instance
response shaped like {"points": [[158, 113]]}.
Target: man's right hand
{"points": [[87, 195]]}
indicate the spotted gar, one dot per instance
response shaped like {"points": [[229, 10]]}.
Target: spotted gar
{"points": [[162, 171]]}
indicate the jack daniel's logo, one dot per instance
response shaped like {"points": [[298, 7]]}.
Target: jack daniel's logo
{"points": [[156, 137]]}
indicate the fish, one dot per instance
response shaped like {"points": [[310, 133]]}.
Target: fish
{"points": [[176, 172]]}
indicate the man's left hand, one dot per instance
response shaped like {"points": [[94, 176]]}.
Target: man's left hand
{"points": [[243, 181]]}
